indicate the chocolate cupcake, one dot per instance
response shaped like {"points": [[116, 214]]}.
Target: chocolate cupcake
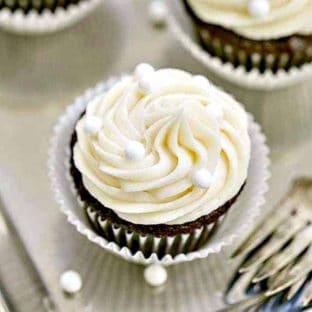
{"points": [[262, 34], [36, 5], [43, 16], [159, 159]]}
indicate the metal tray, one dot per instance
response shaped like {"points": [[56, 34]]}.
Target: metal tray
{"points": [[39, 77]]}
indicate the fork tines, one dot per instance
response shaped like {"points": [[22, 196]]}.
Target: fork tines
{"points": [[277, 255]]}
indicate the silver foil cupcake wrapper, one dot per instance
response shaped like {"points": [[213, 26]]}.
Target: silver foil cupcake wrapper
{"points": [[182, 27], [236, 223]]}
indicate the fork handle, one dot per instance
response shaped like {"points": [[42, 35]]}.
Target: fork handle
{"points": [[4, 307]]}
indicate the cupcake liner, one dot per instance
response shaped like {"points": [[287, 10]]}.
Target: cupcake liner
{"points": [[182, 27], [259, 61], [30, 17], [238, 220], [149, 244]]}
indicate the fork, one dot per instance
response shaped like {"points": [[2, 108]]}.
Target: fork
{"points": [[277, 257], [22, 262], [4, 305]]}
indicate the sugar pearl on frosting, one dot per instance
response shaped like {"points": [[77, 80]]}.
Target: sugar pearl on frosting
{"points": [[158, 12], [155, 275], [92, 125], [202, 178], [71, 282], [143, 69], [259, 8], [146, 84], [134, 150], [201, 81]]}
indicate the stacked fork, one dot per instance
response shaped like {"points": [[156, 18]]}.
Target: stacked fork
{"points": [[276, 273]]}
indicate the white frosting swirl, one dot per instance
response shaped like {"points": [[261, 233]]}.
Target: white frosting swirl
{"points": [[285, 17], [182, 130]]}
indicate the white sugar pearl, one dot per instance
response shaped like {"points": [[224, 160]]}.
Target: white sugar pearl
{"points": [[259, 8], [158, 12], [146, 84], [201, 81], [155, 275], [142, 70], [134, 150], [92, 125], [202, 178], [71, 282]]}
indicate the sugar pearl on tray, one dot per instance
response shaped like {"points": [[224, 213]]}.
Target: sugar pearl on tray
{"points": [[155, 275], [71, 282], [134, 150], [202, 178], [142, 70], [259, 8], [158, 12], [92, 125]]}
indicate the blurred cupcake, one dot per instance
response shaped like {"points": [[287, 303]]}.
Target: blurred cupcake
{"points": [[262, 34], [42, 16], [159, 159]]}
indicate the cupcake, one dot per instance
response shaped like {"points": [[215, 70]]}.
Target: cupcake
{"points": [[38, 16], [159, 159], [38, 6], [262, 34]]}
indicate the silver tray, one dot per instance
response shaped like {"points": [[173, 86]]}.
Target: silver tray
{"points": [[42, 75]]}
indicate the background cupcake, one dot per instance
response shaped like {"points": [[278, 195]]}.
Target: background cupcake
{"points": [[262, 34], [43, 16], [160, 158]]}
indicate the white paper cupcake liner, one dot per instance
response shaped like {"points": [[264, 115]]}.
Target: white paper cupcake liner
{"points": [[182, 27], [238, 220], [35, 23]]}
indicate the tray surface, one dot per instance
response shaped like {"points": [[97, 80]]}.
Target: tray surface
{"points": [[41, 76]]}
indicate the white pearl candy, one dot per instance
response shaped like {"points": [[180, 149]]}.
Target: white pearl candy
{"points": [[134, 151], [155, 275], [92, 125], [201, 81], [71, 282], [142, 70], [202, 178], [146, 84], [158, 12], [259, 8]]}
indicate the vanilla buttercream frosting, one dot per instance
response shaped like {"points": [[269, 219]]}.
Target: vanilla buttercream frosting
{"points": [[282, 18], [170, 147]]}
